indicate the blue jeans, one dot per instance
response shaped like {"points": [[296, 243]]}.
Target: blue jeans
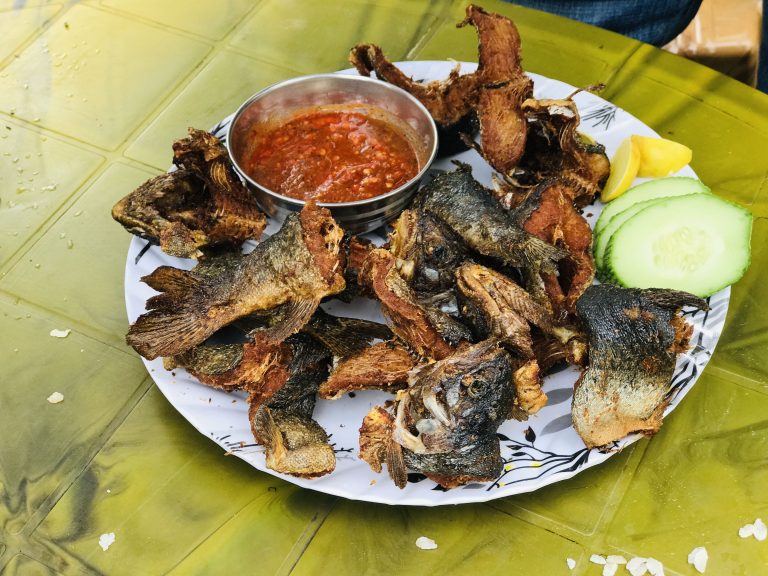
{"points": [[653, 21]]}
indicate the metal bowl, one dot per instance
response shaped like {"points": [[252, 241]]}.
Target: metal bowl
{"points": [[284, 100]]}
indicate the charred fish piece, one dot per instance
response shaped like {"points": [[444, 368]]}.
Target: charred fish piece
{"points": [[500, 308], [548, 213], [556, 149], [236, 366], [469, 210], [428, 250], [201, 204], [281, 419], [298, 265], [503, 89], [408, 319], [444, 425], [634, 338], [450, 102], [383, 366]]}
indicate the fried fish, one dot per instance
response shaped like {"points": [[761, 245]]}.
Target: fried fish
{"points": [[281, 419], [201, 204], [408, 319], [383, 366], [299, 265], [444, 425], [450, 102], [504, 87], [469, 210], [634, 338]]}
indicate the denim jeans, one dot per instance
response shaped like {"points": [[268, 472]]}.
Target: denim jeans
{"points": [[653, 21]]}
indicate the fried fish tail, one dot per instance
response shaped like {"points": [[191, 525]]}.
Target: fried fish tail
{"points": [[167, 334], [294, 445]]}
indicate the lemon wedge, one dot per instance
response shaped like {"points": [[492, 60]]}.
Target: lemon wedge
{"points": [[660, 157], [624, 166]]}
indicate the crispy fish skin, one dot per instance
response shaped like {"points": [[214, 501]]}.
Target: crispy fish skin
{"points": [[504, 87], [201, 204], [634, 337], [281, 420], [298, 265], [468, 209], [383, 366], [548, 213], [232, 366], [507, 308], [408, 319]]}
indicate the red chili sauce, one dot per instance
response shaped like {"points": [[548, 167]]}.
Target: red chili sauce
{"points": [[333, 156]]}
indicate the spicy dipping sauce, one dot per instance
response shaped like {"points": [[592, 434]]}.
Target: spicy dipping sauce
{"points": [[332, 156]]}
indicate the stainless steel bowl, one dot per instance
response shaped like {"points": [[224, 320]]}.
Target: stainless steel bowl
{"points": [[281, 102]]}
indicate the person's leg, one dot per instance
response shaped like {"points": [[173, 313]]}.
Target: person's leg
{"points": [[653, 21]]}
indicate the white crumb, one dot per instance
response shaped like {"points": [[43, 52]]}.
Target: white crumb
{"points": [[761, 530], [571, 563], [60, 333], [637, 566], [55, 398], [610, 569], [597, 559], [655, 568], [758, 529], [616, 559], [425, 543], [106, 540], [698, 557], [746, 531]]}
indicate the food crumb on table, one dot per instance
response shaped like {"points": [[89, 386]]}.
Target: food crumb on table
{"points": [[571, 563], [425, 543], [56, 333], [55, 398], [106, 540], [757, 529], [636, 566], [698, 558], [597, 559]]}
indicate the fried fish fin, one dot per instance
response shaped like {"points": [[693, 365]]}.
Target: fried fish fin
{"points": [[345, 336]]}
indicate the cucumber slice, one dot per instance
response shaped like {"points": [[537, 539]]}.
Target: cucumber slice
{"points": [[697, 243], [604, 237], [659, 188]]}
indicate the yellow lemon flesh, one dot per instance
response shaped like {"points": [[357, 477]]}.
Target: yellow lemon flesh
{"points": [[624, 166], [660, 157]]}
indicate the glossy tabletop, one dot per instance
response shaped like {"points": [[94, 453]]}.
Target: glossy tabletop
{"points": [[92, 94]]}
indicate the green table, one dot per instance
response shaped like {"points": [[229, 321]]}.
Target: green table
{"points": [[91, 96]]}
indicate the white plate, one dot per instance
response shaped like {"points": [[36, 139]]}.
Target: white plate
{"points": [[543, 450]]}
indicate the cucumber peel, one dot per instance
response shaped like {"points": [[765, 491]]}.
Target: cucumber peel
{"points": [[659, 188]]}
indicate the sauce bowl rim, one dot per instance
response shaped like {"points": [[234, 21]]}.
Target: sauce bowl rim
{"points": [[299, 79]]}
